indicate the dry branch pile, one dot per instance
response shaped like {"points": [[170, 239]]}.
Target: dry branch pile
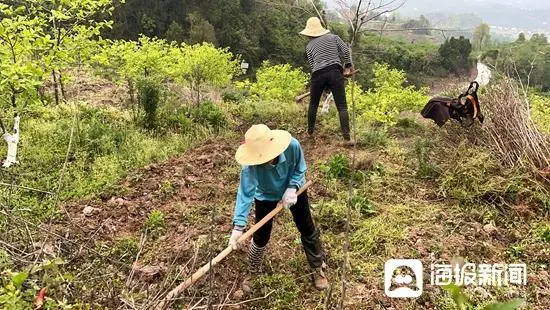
{"points": [[509, 130]]}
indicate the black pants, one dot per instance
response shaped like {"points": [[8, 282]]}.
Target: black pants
{"points": [[331, 78], [304, 222]]}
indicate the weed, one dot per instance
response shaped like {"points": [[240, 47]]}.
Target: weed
{"points": [[209, 114], [337, 167], [167, 188], [543, 232], [125, 249], [516, 251], [425, 168], [286, 291], [363, 205], [154, 222], [375, 138]]}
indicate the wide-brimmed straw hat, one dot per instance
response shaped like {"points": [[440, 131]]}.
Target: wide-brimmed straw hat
{"points": [[314, 28], [262, 145]]}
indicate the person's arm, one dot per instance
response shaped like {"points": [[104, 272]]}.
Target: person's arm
{"points": [[245, 196], [298, 175], [344, 52]]}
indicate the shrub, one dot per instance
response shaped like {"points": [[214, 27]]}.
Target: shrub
{"points": [[540, 111], [337, 167], [209, 114], [232, 96], [387, 99], [278, 82], [149, 98]]}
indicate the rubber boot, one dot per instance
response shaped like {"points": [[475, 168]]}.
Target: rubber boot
{"points": [[255, 258]]}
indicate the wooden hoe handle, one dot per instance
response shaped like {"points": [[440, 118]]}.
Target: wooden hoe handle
{"points": [[164, 303]]}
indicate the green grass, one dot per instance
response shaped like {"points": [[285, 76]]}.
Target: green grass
{"points": [[105, 146]]}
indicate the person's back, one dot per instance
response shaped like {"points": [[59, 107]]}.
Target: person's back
{"points": [[325, 51]]}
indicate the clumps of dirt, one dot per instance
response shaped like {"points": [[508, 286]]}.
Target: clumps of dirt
{"points": [[185, 182]]}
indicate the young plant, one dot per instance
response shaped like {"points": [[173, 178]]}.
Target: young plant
{"points": [[154, 222], [337, 167]]}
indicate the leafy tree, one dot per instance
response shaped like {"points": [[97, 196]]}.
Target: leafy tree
{"points": [[521, 38], [278, 82], [201, 64], [539, 38], [383, 103], [482, 35], [455, 54], [69, 24], [175, 32], [21, 37], [201, 30], [148, 25], [419, 26]]}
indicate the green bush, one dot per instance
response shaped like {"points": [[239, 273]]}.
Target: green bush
{"points": [[209, 114], [387, 99], [232, 96], [540, 111], [284, 115], [149, 99], [337, 167], [276, 82]]}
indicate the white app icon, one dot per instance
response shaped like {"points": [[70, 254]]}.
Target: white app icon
{"points": [[403, 278]]}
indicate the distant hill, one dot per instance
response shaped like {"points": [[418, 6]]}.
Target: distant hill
{"points": [[526, 14]]}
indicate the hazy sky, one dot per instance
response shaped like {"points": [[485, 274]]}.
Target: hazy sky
{"points": [[526, 4]]}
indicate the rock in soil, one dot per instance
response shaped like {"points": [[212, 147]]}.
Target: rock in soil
{"points": [[89, 211], [147, 273]]}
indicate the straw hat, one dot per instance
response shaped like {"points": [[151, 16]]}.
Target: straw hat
{"points": [[262, 145], [314, 28]]}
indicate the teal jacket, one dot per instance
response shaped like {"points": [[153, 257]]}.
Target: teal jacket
{"points": [[269, 182]]}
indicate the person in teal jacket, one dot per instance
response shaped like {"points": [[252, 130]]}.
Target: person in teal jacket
{"points": [[273, 170]]}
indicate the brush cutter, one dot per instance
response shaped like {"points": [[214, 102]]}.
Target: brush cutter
{"points": [[465, 109], [165, 303]]}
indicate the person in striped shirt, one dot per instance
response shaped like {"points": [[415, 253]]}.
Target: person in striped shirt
{"points": [[330, 61]]}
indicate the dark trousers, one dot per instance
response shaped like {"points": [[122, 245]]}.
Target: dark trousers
{"points": [[304, 222], [331, 78]]}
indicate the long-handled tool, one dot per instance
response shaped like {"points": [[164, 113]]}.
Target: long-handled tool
{"points": [[164, 303], [302, 96]]}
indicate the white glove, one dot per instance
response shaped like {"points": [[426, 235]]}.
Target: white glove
{"points": [[235, 235], [290, 198]]}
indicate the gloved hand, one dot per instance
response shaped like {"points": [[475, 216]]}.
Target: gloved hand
{"points": [[235, 235], [290, 198]]}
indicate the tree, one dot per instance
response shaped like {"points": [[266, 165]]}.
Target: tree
{"points": [[201, 30], [201, 64], [539, 39], [482, 35], [455, 54], [521, 38], [21, 37], [175, 32]]}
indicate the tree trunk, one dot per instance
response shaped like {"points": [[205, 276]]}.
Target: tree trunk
{"points": [[55, 88], [62, 86]]}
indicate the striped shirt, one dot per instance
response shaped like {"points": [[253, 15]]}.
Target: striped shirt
{"points": [[326, 50]]}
